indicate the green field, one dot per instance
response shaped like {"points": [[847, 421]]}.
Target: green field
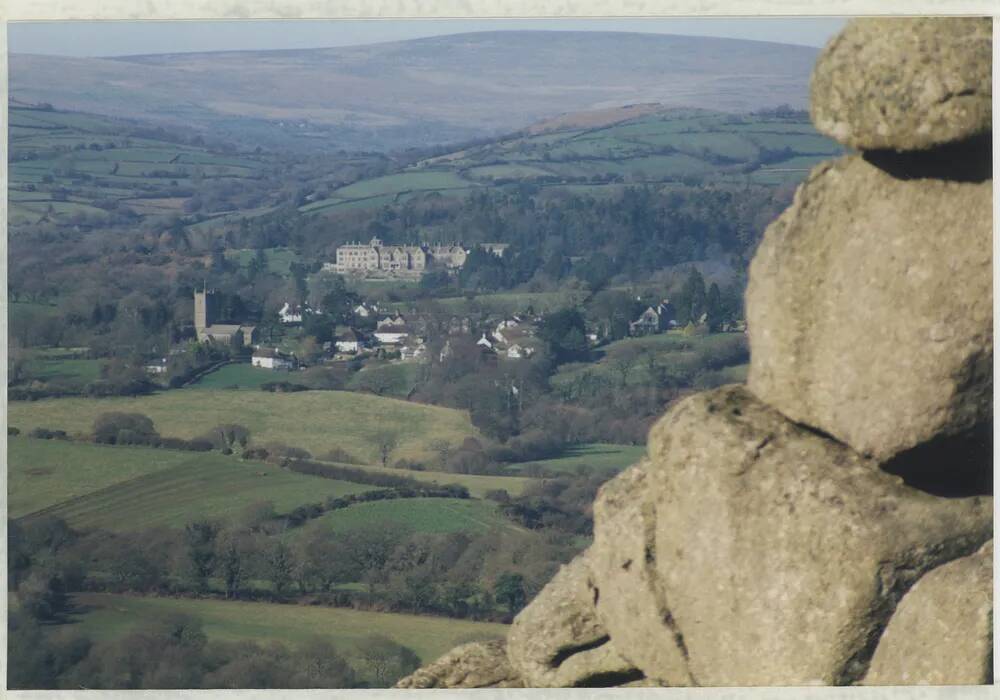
{"points": [[317, 421], [96, 160], [396, 379], [65, 369], [241, 376], [169, 488], [478, 484], [506, 302], [108, 616], [681, 355], [279, 260], [431, 515], [671, 146], [592, 457], [42, 473]]}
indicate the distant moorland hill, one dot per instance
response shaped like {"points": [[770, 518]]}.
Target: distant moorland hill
{"points": [[422, 91]]}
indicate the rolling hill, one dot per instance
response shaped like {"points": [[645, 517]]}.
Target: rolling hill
{"points": [[71, 167], [594, 151], [422, 91], [123, 489], [317, 421]]}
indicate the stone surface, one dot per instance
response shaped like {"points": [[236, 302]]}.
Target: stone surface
{"points": [[630, 603], [870, 308], [905, 83], [778, 554], [942, 631], [474, 665], [557, 641]]}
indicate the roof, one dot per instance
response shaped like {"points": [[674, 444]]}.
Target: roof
{"points": [[222, 329]]}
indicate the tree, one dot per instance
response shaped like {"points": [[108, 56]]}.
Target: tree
{"points": [[565, 333], [713, 307], [509, 591], [43, 596], [623, 360], [280, 563], [443, 449], [230, 555], [386, 660], [126, 428], [199, 541], [386, 441]]}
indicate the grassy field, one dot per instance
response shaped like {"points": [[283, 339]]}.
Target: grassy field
{"points": [[314, 420], [594, 456], [108, 616], [395, 379], [431, 515], [240, 376], [97, 161], [506, 302], [64, 368], [42, 473], [477, 484], [668, 146], [681, 355], [279, 260], [168, 489]]}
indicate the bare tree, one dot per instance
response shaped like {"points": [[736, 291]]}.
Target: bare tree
{"points": [[386, 441]]}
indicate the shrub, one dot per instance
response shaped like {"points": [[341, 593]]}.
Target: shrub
{"points": [[282, 387], [48, 434], [126, 428], [11, 430], [340, 455], [409, 464], [278, 451]]}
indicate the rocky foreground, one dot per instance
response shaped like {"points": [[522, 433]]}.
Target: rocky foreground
{"points": [[832, 521]]}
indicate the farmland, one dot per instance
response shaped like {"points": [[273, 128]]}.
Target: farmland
{"points": [[477, 484], [68, 167], [430, 515], [677, 355], [120, 488], [107, 616], [317, 421], [238, 376], [591, 457], [669, 146]]}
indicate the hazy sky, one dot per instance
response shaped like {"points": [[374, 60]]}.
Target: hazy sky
{"points": [[123, 38]]}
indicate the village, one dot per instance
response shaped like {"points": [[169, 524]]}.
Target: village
{"points": [[378, 332]]}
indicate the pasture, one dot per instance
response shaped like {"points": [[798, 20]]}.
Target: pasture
{"points": [[595, 456], [146, 487], [429, 515], [673, 145], [43, 473], [478, 484], [239, 376], [68, 167], [681, 357], [105, 616], [317, 421], [391, 379]]}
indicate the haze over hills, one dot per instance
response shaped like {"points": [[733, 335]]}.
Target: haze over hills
{"points": [[422, 91]]}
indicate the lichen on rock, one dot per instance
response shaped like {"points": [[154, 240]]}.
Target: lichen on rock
{"points": [[473, 665], [870, 308], [905, 83], [557, 641], [942, 632]]}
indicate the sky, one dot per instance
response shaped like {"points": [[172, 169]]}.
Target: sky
{"points": [[125, 38]]}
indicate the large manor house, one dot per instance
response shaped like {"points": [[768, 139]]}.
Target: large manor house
{"points": [[377, 258]]}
